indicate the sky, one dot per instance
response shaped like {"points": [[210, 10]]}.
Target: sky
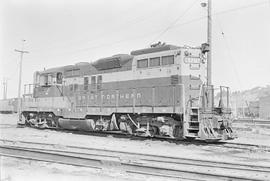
{"points": [[65, 32]]}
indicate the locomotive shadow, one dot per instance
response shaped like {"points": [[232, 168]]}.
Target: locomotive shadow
{"points": [[140, 138]]}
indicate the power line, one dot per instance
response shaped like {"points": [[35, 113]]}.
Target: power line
{"points": [[222, 12], [129, 22], [172, 26], [231, 57], [112, 43], [242, 7], [175, 21], [52, 43], [119, 41]]}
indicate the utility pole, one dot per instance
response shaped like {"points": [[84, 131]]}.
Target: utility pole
{"points": [[4, 88], [5, 84], [209, 41], [20, 79]]}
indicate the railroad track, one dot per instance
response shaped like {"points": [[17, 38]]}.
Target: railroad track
{"points": [[258, 121], [220, 144], [134, 163], [244, 146]]}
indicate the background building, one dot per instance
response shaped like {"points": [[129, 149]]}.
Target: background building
{"points": [[264, 110]]}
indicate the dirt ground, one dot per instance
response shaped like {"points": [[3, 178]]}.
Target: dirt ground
{"points": [[250, 133], [15, 169]]}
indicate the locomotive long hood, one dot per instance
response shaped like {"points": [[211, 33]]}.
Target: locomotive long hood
{"points": [[154, 49]]}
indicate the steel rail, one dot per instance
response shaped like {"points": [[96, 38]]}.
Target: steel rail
{"points": [[252, 121], [241, 146], [81, 162], [245, 146], [138, 168], [223, 144], [153, 159], [145, 156]]}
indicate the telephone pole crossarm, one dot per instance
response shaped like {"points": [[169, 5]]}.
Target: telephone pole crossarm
{"points": [[21, 51]]}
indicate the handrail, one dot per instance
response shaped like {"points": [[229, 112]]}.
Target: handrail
{"points": [[131, 88], [61, 92]]}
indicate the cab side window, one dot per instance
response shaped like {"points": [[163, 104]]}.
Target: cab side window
{"points": [[154, 62], [143, 63], [167, 60]]}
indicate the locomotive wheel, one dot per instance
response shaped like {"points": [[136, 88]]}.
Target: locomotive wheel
{"points": [[56, 122], [177, 132], [153, 130]]}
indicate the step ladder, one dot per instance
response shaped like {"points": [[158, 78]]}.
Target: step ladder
{"points": [[193, 123]]}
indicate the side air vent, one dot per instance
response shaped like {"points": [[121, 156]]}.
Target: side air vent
{"points": [[174, 79]]}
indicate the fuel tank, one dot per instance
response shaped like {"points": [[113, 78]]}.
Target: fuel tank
{"points": [[77, 124]]}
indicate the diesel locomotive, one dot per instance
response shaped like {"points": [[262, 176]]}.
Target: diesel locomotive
{"points": [[159, 91]]}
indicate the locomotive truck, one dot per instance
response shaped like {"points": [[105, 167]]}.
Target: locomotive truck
{"points": [[159, 91]]}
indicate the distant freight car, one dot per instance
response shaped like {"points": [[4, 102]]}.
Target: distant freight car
{"points": [[8, 106], [158, 91]]}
